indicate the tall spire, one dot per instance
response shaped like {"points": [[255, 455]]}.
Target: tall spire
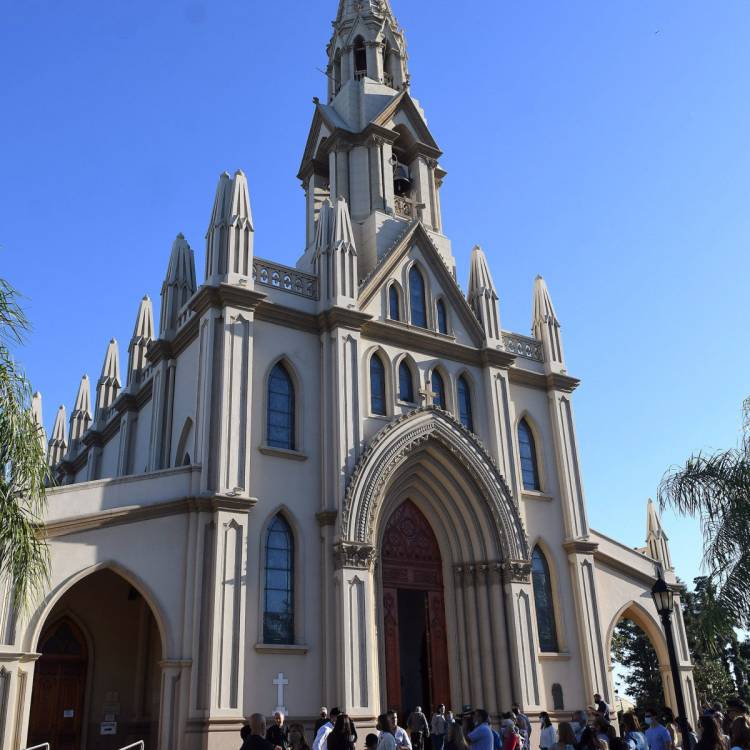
{"points": [[80, 417], [58, 443], [657, 542], [336, 255], [546, 327], [229, 240], [36, 413], [482, 297], [367, 43], [143, 334], [108, 387], [178, 287]]}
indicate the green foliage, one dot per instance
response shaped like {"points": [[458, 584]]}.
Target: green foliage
{"points": [[24, 558], [632, 649], [715, 488]]}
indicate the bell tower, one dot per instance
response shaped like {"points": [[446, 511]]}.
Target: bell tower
{"points": [[369, 144]]}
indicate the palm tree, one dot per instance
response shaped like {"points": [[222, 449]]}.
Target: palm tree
{"points": [[715, 488], [24, 560]]}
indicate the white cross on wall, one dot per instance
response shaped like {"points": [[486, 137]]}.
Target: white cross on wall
{"points": [[280, 683]]}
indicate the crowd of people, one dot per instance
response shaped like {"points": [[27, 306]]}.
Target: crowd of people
{"points": [[590, 729]]}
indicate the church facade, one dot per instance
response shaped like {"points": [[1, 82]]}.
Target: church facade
{"points": [[341, 483]]}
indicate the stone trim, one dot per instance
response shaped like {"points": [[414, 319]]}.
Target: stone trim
{"points": [[353, 555], [581, 546], [292, 649], [326, 517], [268, 450]]}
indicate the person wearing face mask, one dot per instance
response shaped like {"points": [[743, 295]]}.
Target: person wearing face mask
{"points": [[578, 724], [657, 735]]}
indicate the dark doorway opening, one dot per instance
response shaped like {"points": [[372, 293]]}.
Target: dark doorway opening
{"points": [[416, 648]]}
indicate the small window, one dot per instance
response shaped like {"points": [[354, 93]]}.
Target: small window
{"points": [[417, 298], [464, 404], [278, 610], [438, 388], [527, 449], [360, 57], [544, 604], [405, 383], [394, 305], [280, 424], [442, 317], [377, 385]]}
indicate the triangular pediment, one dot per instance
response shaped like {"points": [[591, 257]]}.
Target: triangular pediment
{"points": [[416, 246], [403, 110], [324, 123]]}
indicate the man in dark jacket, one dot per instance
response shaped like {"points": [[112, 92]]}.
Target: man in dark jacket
{"points": [[257, 740], [278, 732]]}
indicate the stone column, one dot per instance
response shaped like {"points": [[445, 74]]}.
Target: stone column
{"points": [[472, 633], [519, 595], [16, 680], [501, 415], [358, 657], [359, 182], [127, 425], [377, 174], [172, 715], [463, 653], [375, 60], [489, 667], [500, 649]]}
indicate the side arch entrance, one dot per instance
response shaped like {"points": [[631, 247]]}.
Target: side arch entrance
{"points": [[416, 645], [97, 683]]}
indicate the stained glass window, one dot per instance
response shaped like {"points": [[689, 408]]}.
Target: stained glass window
{"points": [[438, 388], [405, 383], [545, 608], [464, 404], [280, 426], [377, 385], [417, 298], [394, 308], [442, 317], [527, 449], [278, 612]]}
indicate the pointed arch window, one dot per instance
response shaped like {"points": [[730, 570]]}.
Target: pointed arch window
{"points": [[544, 604], [280, 417], [405, 383], [377, 385], [360, 58], [417, 298], [442, 317], [527, 450], [278, 606], [438, 388], [394, 303], [464, 404]]}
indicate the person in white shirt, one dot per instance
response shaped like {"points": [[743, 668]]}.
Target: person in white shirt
{"points": [[438, 728], [321, 738], [548, 735], [386, 740], [399, 734]]}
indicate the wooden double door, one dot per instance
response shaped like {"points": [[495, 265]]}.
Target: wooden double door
{"points": [[416, 644], [57, 702]]}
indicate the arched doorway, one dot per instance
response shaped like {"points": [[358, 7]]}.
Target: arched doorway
{"points": [[97, 685], [57, 704], [416, 649]]}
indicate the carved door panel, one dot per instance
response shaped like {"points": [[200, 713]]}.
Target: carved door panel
{"points": [[58, 690], [438, 646], [392, 657]]}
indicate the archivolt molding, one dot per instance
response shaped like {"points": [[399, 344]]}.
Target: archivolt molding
{"points": [[391, 448]]}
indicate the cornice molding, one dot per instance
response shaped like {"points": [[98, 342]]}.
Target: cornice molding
{"points": [[581, 546], [225, 295]]}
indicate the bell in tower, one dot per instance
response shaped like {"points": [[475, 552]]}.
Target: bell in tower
{"points": [[401, 178]]}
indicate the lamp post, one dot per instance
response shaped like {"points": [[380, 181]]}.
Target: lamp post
{"points": [[664, 601]]}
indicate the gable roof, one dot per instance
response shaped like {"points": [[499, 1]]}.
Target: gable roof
{"points": [[403, 101], [416, 233]]}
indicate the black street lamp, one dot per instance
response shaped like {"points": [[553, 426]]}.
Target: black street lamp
{"points": [[664, 601]]}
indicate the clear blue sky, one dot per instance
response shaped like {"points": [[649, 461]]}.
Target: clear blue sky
{"points": [[604, 145]]}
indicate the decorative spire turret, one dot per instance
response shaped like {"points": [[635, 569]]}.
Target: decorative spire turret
{"points": [[108, 387], [36, 413], [657, 542], [178, 287], [80, 417], [143, 334], [58, 444], [367, 43], [546, 327], [483, 298], [336, 255], [229, 240]]}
